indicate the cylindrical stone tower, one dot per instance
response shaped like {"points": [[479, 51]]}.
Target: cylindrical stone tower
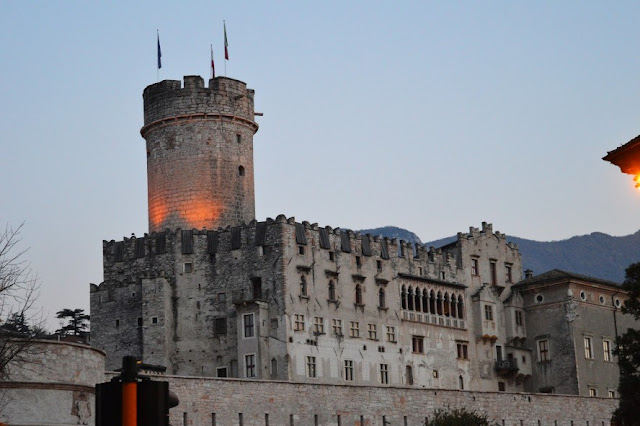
{"points": [[199, 153]]}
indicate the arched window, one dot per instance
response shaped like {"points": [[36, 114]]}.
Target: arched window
{"points": [[446, 305], [381, 300], [274, 368], [418, 303], [461, 382], [241, 171], [460, 308], [303, 286], [332, 290], [454, 306], [409, 375], [411, 299], [432, 302], [425, 301], [439, 303], [358, 294], [403, 296]]}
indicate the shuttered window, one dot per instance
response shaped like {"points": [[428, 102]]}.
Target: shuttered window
{"points": [[187, 242]]}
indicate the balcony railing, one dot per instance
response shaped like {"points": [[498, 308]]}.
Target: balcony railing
{"points": [[434, 319], [508, 365]]}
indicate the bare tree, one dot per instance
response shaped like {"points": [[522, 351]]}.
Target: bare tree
{"points": [[18, 292]]}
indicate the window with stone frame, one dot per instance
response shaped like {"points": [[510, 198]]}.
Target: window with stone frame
{"points": [[508, 272], [250, 365], [384, 374], [373, 331], [311, 366], [391, 334], [519, 318], [318, 325], [588, 347], [348, 370], [332, 291], [417, 344], [474, 266], [298, 324], [494, 272], [359, 294], [606, 349], [354, 329], [336, 327], [463, 350], [303, 286], [220, 326], [382, 302], [488, 312], [593, 392], [543, 350], [248, 325]]}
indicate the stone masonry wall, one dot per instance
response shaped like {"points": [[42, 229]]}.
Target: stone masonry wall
{"points": [[239, 402]]}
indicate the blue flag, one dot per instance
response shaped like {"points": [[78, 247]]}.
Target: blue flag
{"points": [[159, 53]]}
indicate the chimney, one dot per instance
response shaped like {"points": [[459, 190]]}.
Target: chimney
{"points": [[528, 274]]}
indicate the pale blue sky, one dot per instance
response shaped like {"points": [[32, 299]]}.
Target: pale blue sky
{"points": [[432, 116]]}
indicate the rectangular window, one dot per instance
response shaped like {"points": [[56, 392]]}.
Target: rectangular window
{"points": [[593, 392], [221, 326], [373, 332], [508, 267], [331, 256], [501, 387], [354, 329], [318, 325], [188, 267], [588, 349], [488, 312], [139, 322], [391, 334], [494, 273], [348, 370], [358, 261], [222, 297], [311, 366], [248, 325], [300, 249], [221, 372], [187, 242], [299, 323], [117, 323], [336, 327], [463, 351], [474, 266], [606, 348], [519, 321], [384, 374], [379, 265], [154, 320], [612, 394], [417, 344], [543, 350], [250, 366]]}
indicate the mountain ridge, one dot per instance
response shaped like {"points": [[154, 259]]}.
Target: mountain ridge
{"points": [[597, 254]]}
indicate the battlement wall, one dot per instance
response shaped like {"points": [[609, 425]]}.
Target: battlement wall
{"points": [[224, 96]]}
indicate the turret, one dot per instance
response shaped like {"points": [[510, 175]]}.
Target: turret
{"points": [[199, 153]]}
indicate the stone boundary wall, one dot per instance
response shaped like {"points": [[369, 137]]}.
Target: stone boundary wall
{"points": [[207, 401]]}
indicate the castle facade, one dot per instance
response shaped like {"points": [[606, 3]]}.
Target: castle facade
{"points": [[212, 292]]}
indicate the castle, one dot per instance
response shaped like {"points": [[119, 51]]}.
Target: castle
{"points": [[211, 292]]}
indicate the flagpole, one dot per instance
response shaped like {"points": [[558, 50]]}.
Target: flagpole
{"points": [[226, 57], [158, 67]]}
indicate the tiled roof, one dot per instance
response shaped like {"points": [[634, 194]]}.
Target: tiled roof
{"points": [[558, 275]]}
